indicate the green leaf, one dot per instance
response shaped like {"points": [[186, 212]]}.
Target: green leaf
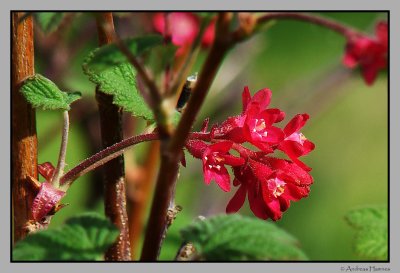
{"points": [[48, 21], [120, 82], [233, 237], [110, 55], [108, 68], [84, 237], [371, 239], [43, 93]]}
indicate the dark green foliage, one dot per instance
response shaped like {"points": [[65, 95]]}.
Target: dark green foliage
{"points": [[233, 237], [84, 237]]}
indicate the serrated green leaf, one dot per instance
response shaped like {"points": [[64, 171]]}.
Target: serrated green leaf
{"points": [[84, 237], [119, 81], [48, 21], [371, 239], [233, 237], [43, 93], [108, 68], [110, 55]]}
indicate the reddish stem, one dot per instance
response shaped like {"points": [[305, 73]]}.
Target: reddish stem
{"points": [[112, 152], [328, 23], [24, 140]]}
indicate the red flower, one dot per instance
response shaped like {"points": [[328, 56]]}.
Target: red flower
{"points": [[369, 52], [255, 124], [270, 185], [215, 157], [295, 144], [182, 28]]}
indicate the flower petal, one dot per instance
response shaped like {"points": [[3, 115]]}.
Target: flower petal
{"points": [[349, 60], [237, 200], [222, 179], [382, 33], [183, 26], [288, 171], [274, 136], [274, 208], [262, 98], [222, 147], [260, 171], [256, 203], [295, 124], [246, 97], [233, 160], [369, 73], [266, 148], [295, 193], [209, 35], [272, 115]]}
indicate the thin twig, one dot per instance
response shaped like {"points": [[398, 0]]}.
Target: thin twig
{"points": [[58, 172], [328, 23]]}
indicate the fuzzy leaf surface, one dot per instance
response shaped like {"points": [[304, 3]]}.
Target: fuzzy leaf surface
{"points": [[43, 93], [233, 237], [371, 225], [84, 237]]}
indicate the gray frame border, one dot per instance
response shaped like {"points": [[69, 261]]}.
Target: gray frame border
{"points": [[394, 84]]}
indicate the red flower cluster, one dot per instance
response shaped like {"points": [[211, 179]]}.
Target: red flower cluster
{"points": [[368, 52], [182, 28], [270, 183]]}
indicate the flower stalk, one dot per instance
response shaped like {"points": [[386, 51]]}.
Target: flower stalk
{"points": [[63, 151], [324, 22]]}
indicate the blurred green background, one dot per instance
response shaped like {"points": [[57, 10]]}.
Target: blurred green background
{"points": [[301, 64]]}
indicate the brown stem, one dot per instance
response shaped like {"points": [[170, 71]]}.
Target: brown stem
{"points": [[142, 195], [114, 173], [331, 24], [171, 149], [24, 139]]}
